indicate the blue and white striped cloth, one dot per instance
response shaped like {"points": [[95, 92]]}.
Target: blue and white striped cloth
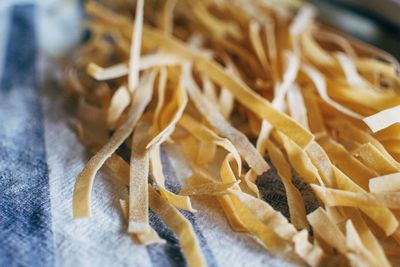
{"points": [[40, 156]]}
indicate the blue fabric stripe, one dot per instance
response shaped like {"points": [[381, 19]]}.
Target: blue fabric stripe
{"points": [[169, 254], [25, 221], [172, 184]]}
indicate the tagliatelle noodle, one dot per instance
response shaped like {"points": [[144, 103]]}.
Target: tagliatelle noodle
{"points": [[275, 220], [230, 210], [302, 20], [146, 238], [280, 92], [91, 139], [178, 104], [226, 102], [295, 200], [227, 204], [208, 189], [239, 140], [321, 161], [209, 89], [181, 202], [357, 253], [190, 147], [289, 76], [337, 179], [161, 89], [312, 254], [112, 72], [320, 85], [268, 237], [351, 132], [383, 119], [386, 183], [267, 215], [334, 197], [319, 220], [120, 70], [84, 182], [390, 133], [230, 204], [242, 93], [119, 102], [376, 53], [314, 52], [180, 226], [371, 65], [279, 97], [204, 134], [206, 153], [220, 28], [198, 179], [392, 146], [251, 176], [381, 216], [134, 59], [241, 53], [250, 179], [371, 100], [367, 237], [299, 159], [315, 120], [343, 159], [374, 159], [350, 71], [96, 9], [119, 169], [122, 44], [72, 81], [254, 32], [207, 150], [166, 21], [139, 171], [89, 113], [272, 50], [296, 106], [339, 40]]}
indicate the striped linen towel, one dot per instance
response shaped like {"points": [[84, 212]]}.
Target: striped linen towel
{"points": [[40, 157]]}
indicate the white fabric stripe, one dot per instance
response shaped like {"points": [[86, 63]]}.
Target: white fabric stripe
{"points": [[97, 241], [229, 248]]}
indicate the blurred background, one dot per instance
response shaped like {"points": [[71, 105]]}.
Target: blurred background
{"points": [[374, 21]]}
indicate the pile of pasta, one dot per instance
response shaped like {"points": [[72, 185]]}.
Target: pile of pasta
{"points": [[231, 84]]}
